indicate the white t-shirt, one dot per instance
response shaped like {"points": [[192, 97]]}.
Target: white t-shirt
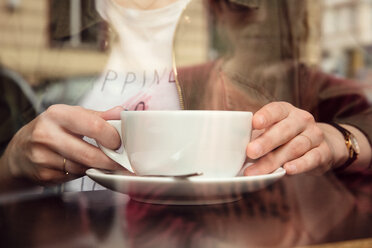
{"points": [[138, 75], [139, 72]]}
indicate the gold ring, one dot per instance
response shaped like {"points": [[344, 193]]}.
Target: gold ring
{"points": [[64, 167]]}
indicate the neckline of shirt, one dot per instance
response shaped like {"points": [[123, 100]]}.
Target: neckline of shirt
{"points": [[153, 17]]}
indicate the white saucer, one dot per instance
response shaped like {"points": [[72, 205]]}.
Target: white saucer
{"points": [[191, 191]]}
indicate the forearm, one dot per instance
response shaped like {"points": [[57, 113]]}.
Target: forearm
{"points": [[339, 150]]}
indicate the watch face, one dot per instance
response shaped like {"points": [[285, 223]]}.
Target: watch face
{"points": [[354, 144]]}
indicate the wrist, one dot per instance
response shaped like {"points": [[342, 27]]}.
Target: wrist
{"points": [[336, 143], [351, 144]]}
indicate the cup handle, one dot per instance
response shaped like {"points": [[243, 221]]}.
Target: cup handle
{"points": [[120, 158]]}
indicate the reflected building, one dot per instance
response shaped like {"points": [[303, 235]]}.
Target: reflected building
{"points": [[35, 44], [347, 38]]}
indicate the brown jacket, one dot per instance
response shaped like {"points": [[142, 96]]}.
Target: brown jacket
{"points": [[328, 98]]}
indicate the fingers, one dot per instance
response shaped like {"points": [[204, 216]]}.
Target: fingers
{"points": [[288, 134], [74, 168], [43, 157], [76, 150], [40, 147], [270, 114], [48, 167], [274, 137], [294, 149], [48, 176], [313, 159], [111, 114], [83, 122], [54, 129], [281, 131]]}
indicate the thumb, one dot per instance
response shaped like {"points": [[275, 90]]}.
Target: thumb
{"points": [[111, 114]]}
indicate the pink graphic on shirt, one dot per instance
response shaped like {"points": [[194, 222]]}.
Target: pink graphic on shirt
{"points": [[139, 101]]}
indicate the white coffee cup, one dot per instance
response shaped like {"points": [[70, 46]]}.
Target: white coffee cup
{"points": [[181, 142]]}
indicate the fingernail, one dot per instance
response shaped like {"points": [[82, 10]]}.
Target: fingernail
{"points": [[291, 168], [256, 149], [116, 108], [261, 120]]}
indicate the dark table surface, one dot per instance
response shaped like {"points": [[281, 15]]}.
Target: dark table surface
{"points": [[294, 211]]}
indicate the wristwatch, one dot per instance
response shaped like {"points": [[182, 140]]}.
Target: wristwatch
{"points": [[351, 145]]}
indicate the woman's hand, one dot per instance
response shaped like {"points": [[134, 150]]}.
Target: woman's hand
{"points": [[39, 149], [291, 138]]}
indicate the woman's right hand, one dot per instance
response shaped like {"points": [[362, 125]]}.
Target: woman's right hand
{"points": [[39, 149]]}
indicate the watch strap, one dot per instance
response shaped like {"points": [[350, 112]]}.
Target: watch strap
{"points": [[352, 154]]}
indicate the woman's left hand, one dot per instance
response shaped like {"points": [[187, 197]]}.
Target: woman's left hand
{"points": [[290, 138]]}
